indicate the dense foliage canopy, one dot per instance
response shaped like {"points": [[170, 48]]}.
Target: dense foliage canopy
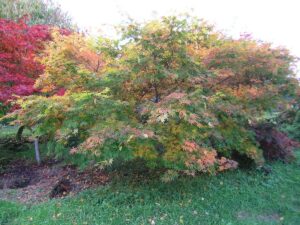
{"points": [[19, 44], [173, 92], [38, 11]]}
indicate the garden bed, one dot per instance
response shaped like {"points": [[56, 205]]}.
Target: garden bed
{"points": [[29, 183]]}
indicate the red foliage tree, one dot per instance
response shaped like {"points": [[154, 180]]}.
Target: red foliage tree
{"points": [[19, 44]]}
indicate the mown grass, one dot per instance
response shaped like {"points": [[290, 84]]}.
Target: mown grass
{"points": [[237, 197], [11, 131]]}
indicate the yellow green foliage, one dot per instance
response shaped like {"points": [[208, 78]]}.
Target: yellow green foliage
{"points": [[69, 63]]}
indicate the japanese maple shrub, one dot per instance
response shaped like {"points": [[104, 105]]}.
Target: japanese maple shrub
{"points": [[173, 92]]}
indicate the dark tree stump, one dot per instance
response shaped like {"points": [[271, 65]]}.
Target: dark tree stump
{"points": [[62, 188]]}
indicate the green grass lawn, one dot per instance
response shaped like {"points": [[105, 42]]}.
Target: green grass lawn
{"points": [[237, 197], [11, 131]]}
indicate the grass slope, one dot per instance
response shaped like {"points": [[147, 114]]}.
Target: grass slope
{"points": [[238, 197]]}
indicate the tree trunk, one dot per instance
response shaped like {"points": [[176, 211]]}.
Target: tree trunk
{"points": [[156, 100], [37, 151]]}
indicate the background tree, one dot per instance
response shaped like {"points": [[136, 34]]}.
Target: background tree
{"points": [[69, 63], [19, 68], [19, 44], [39, 12]]}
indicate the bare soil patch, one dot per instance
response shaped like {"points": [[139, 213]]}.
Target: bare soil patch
{"points": [[29, 183]]}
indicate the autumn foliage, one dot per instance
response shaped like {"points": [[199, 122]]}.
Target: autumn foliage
{"points": [[173, 92], [19, 44]]}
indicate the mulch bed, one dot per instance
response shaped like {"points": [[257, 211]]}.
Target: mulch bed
{"points": [[29, 183]]}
